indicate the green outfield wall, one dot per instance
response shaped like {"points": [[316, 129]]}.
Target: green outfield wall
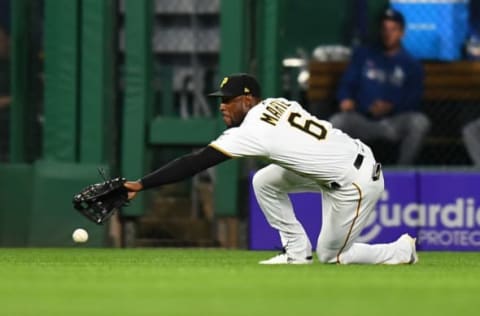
{"points": [[36, 197], [90, 120], [36, 204]]}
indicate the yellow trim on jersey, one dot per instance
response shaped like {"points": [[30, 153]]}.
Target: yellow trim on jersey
{"points": [[223, 151], [357, 212]]}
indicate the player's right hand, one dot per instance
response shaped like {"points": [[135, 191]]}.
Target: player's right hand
{"points": [[347, 105], [133, 188]]}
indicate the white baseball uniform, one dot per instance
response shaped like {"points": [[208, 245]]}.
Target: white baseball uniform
{"points": [[309, 155]]}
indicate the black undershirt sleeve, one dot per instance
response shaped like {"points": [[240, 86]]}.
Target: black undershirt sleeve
{"points": [[184, 167]]}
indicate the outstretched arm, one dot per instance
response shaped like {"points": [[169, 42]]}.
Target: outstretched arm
{"points": [[177, 170]]}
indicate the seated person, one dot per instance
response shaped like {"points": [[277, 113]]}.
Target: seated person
{"points": [[379, 94], [471, 138]]}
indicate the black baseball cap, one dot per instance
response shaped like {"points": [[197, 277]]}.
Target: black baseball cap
{"points": [[393, 15], [238, 84]]}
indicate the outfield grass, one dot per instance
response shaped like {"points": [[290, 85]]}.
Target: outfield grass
{"points": [[87, 282]]}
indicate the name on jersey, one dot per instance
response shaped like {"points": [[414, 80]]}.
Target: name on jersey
{"points": [[274, 111]]}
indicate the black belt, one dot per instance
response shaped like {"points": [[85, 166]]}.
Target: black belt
{"points": [[358, 161], [357, 164]]}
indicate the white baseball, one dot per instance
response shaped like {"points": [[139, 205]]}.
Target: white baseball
{"points": [[80, 235]]}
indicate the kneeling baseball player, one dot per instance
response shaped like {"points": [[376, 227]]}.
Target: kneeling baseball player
{"points": [[306, 154]]}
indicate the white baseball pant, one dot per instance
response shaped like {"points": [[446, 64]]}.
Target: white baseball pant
{"points": [[345, 213]]}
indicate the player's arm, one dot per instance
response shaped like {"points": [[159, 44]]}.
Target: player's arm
{"points": [[178, 169]]}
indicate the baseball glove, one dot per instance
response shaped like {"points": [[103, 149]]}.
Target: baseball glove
{"points": [[99, 201]]}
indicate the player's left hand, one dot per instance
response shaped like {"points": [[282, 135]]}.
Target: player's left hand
{"points": [[99, 201]]}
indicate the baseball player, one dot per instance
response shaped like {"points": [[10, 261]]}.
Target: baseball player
{"points": [[306, 154]]}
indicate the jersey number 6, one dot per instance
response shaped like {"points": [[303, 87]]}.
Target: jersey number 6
{"points": [[311, 127]]}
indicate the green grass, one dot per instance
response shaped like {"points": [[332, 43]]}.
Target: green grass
{"points": [[87, 282]]}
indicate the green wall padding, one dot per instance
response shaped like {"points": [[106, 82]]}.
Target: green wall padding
{"points": [[21, 108], [271, 41], [36, 205], [53, 218], [233, 48], [97, 88], [234, 41], [138, 94], [312, 23], [15, 203], [61, 80]]}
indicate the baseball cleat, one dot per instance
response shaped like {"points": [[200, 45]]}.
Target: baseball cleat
{"points": [[414, 258], [283, 258], [406, 238]]}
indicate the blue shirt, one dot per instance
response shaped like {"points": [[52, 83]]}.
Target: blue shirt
{"points": [[372, 75]]}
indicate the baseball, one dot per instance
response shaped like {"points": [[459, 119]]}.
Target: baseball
{"points": [[80, 235]]}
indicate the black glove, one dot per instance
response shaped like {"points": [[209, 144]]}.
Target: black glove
{"points": [[100, 200]]}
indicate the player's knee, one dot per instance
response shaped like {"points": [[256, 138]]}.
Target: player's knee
{"points": [[326, 255], [259, 180]]}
